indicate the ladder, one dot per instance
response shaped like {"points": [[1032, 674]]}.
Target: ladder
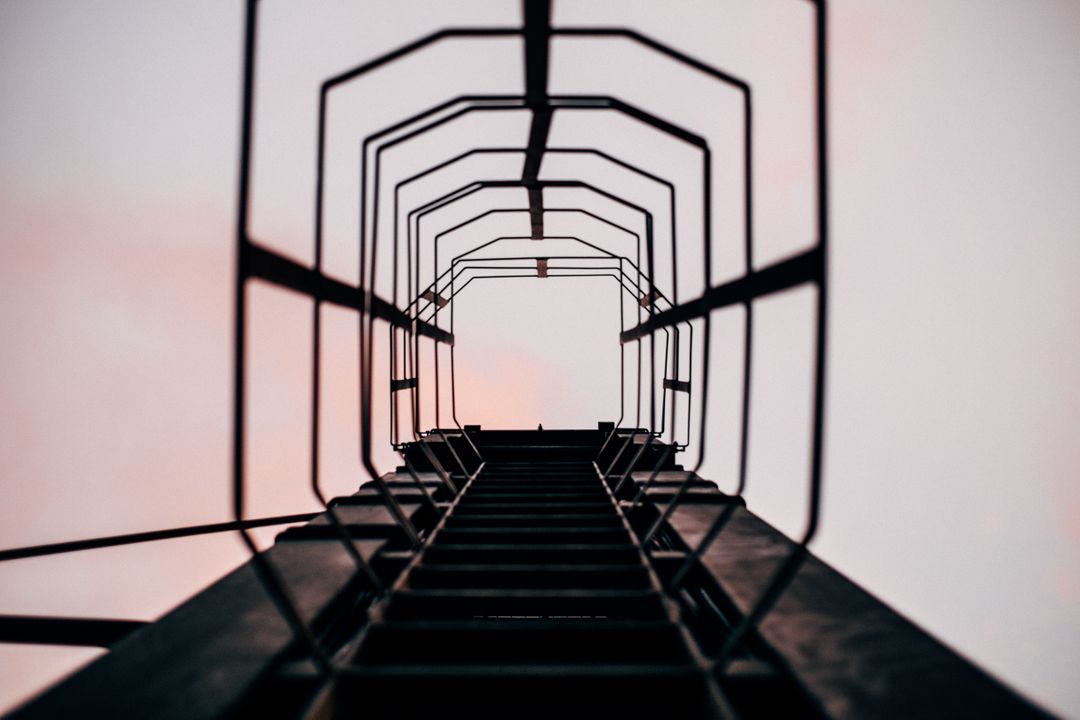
{"points": [[532, 598]]}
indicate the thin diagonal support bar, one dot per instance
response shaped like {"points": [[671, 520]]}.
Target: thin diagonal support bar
{"points": [[108, 541]]}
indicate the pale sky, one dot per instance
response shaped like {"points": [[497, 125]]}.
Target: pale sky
{"points": [[954, 350]]}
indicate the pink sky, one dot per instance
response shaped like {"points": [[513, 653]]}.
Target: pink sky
{"points": [[954, 369]]}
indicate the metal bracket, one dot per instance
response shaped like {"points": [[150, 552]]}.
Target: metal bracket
{"points": [[397, 384], [677, 385]]}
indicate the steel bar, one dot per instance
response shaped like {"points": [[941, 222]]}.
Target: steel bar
{"points": [[149, 536], [38, 630]]}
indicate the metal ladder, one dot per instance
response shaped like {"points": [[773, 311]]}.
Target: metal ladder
{"points": [[532, 598]]}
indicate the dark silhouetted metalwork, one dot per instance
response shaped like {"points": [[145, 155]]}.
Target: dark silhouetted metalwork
{"points": [[499, 565]]}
